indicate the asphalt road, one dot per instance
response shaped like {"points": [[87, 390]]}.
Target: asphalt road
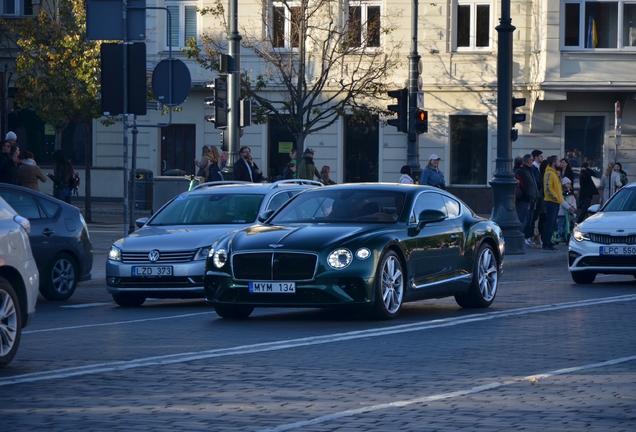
{"points": [[548, 355]]}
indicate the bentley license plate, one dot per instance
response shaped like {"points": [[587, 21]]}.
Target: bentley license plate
{"points": [[152, 271], [272, 287], [617, 250]]}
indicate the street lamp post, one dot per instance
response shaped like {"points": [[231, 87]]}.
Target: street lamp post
{"points": [[504, 182]]}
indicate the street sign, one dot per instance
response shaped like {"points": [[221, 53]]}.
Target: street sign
{"points": [[420, 100]]}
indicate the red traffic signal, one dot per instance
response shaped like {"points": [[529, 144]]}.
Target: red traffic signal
{"points": [[421, 122]]}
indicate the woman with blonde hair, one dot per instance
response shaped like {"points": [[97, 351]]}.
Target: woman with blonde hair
{"points": [[214, 172], [204, 163], [610, 183]]}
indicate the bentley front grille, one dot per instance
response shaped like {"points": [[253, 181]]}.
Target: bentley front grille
{"points": [[274, 266]]}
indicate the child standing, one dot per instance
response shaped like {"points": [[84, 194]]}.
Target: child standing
{"points": [[567, 208]]}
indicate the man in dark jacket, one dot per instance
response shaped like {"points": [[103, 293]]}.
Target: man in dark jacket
{"points": [[586, 192], [528, 191], [244, 170], [8, 168]]}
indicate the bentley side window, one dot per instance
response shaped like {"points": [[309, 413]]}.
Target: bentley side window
{"points": [[427, 201]]}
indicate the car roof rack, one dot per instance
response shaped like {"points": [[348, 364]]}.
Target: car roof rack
{"points": [[220, 183], [280, 183]]}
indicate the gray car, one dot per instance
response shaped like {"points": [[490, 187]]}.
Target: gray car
{"points": [[166, 257], [59, 238], [18, 281]]}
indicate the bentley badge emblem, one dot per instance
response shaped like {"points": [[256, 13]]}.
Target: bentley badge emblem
{"points": [[275, 246]]}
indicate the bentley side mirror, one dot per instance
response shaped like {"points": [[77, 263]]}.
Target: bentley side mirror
{"points": [[265, 215], [430, 216]]}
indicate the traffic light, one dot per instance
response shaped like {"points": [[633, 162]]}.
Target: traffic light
{"points": [[516, 117], [421, 121], [219, 102], [401, 108]]}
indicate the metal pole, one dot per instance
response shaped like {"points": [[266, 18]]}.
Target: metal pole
{"points": [[233, 89], [125, 115], [504, 182], [412, 150], [5, 101], [133, 174]]}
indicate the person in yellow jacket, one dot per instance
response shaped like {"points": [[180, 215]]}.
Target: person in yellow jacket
{"points": [[553, 197]]}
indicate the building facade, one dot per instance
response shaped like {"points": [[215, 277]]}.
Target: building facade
{"points": [[572, 62]]}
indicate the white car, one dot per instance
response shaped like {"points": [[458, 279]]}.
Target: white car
{"points": [[19, 281], [606, 241]]}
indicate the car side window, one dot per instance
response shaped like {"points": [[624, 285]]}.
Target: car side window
{"points": [[452, 206], [50, 208], [22, 203], [278, 200], [427, 201]]}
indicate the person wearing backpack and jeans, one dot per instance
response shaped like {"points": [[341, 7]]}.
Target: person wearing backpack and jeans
{"points": [[63, 179]]}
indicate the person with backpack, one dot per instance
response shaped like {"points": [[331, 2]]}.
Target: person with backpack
{"points": [[63, 177]]}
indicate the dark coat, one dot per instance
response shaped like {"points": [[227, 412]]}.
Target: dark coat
{"points": [[241, 172], [587, 186], [528, 185], [8, 170]]}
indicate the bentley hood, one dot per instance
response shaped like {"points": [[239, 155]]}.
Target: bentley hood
{"points": [[298, 237]]}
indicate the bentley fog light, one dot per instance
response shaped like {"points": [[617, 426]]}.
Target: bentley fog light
{"points": [[220, 258], [363, 253], [114, 253], [339, 259]]}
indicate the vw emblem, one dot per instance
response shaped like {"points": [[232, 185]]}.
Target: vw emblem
{"points": [[153, 256], [620, 230], [275, 246]]}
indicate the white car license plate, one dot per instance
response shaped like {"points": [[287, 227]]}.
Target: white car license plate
{"points": [[272, 287], [152, 271], [617, 250]]}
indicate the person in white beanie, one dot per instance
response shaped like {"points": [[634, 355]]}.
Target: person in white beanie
{"points": [[567, 208], [11, 137], [431, 175]]}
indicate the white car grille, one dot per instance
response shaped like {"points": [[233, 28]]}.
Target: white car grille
{"points": [[613, 239]]}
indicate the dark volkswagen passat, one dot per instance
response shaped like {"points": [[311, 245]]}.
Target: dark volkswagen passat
{"points": [[371, 245], [59, 239], [166, 257]]}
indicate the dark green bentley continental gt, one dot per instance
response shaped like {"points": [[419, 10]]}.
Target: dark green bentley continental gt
{"points": [[375, 245]]}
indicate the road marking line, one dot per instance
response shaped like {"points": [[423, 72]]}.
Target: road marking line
{"points": [[116, 323], [442, 396], [295, 343], [84, 305]]}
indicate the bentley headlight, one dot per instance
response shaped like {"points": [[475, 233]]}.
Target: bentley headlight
{"points": [[202, 253], [579, 235], [114, 253], [339, 259], [220, 258], [363, 253]]}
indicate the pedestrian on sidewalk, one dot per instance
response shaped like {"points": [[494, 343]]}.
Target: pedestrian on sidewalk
{"points": [[29, 172], [587, 191], [553, 197]]}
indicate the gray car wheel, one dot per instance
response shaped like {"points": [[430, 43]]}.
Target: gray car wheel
{"points": [[10, 322], [483, 287], [233, 311], [59, 278], [389, 293], [583, 277], [129, 300]]}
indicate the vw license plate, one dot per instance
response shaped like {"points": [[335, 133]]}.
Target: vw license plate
{"points": [[272, 287], [152, 271], [617, 250]]}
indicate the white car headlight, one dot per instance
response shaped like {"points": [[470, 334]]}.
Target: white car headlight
{"points": [[220, 258], [339, 259], [363, 253], [201, 254], [114, 253], [579, 235]]}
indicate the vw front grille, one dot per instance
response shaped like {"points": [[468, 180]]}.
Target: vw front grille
{"points": [[164, 257]]}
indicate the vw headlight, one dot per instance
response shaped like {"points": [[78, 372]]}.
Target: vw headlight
{"points": [[579, 235], [114, 253], [220, 258], [202, 253], [339, 259]]}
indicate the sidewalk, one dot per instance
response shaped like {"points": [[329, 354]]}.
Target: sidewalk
{"points": [[112, 213]]}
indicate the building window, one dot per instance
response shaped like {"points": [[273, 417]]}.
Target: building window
{"points": [[17, 7], [592, 25], [469, 149], [286, 19], [364, 24], [472, 25], [184, 23], [583, 142]]}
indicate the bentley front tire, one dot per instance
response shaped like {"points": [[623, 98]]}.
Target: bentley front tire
{"points": [[483, 287], [389, 292], [233, 311]]}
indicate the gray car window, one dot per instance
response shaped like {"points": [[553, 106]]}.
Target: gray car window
{"points": [[23, 204], [278, 200], [213, 208]]}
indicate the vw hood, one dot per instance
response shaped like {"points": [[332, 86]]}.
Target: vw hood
{"points": [[174, 237]]}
